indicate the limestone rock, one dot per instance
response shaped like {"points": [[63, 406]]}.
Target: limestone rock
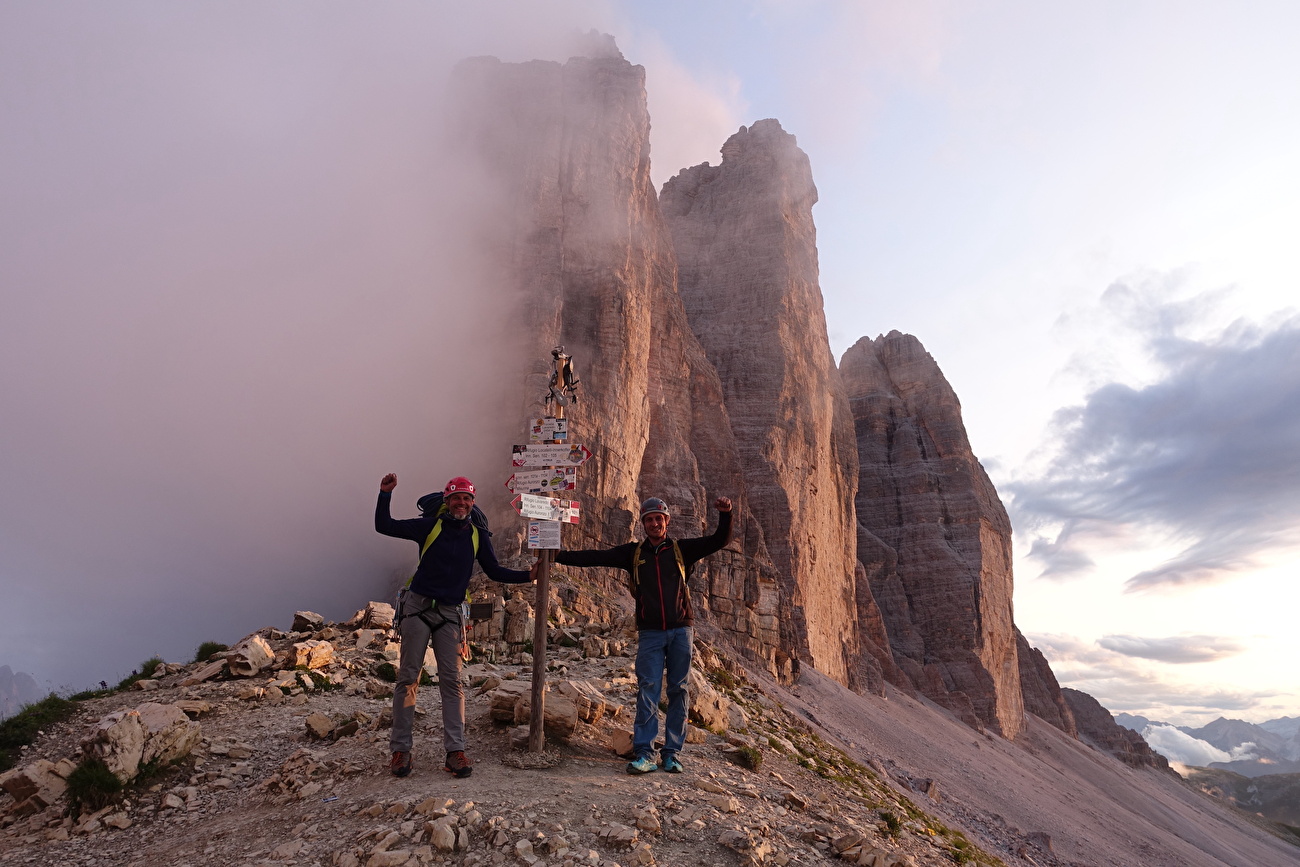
{"points": [[747, 274], [377, 615], [40, 783], [118, 741], [518, 620], [250, 656], [708, 707], [502, 700], [319, 726], [152, 732], [206, 671], [313, 654], [933, 537], [169, 734], [560, 719], [307, 621], [587, 697]]}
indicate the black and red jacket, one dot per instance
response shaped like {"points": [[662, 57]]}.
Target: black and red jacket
{"points": [[662, 600]]}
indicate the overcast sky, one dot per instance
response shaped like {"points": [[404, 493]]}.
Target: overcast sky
{"points": [[1085, 212]]}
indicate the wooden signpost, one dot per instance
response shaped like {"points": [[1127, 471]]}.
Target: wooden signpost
{"points": [[548, 462]]}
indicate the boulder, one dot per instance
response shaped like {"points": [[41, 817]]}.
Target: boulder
{"points": [[313, 654], [168, 733], [153, 732], [250, 656], [502, 700], [118, 741], [561, 715], [206, 671], [307, 621], [519, 622], [588, 698], [39, 784], [378, 615], [319, 726], [709, 708]]}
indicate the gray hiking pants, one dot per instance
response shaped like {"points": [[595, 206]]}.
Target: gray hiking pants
{"points": [[415, 634]]}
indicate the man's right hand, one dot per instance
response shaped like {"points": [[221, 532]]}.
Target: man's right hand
{"points": [[388, 482]]}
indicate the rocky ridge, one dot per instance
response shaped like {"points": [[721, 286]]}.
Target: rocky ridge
{"points": [[286, 764]]}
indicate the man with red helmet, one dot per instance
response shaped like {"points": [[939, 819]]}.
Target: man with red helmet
{"points": [[449, 543], [658, 570]]}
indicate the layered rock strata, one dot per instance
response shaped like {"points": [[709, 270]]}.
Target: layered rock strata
{"points": [[747, 274], [574, 224], [933, 535]]}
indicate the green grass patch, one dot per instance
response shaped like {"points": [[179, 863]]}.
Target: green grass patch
{"points": [[207, 648], [92, 786], [20, 729], [147, 668]]}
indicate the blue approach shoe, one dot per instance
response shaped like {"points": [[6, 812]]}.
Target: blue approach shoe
{"points": [[643, 765], [671, 765]]}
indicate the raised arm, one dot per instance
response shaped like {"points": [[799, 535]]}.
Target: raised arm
{"points": [[410, 528]]}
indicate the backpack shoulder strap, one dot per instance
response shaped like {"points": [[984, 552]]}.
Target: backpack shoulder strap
{"points": [[437, 529]]}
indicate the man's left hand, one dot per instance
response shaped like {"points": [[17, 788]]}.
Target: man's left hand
{"points": [[722, 504]]}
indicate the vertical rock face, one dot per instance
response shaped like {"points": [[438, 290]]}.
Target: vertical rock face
{"points": [[747, 259], [561, 151], [933, 536], [1042, 693]]}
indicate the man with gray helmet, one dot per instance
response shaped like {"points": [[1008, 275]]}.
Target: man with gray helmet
{"points": [[658, 569]]}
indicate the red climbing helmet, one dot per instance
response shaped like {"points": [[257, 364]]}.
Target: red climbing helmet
{"points": [[459, 485]]}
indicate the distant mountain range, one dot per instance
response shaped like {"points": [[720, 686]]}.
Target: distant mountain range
{"points": [[1255, 750], [17, 690]]}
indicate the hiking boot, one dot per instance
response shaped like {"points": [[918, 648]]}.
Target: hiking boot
{"points": [[458, 764], [643, 765], [671, 765], [401, 764]]}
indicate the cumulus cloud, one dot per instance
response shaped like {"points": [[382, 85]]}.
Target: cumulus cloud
{"points": [[1176, 649], [1178, 746], [1200, 454]]}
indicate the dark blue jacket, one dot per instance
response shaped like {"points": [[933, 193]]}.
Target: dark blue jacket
{"points": [[444, 570]]}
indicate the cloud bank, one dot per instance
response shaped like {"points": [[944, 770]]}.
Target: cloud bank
{"points": [[1200, 456], [1114, 671], [241, 282], [1178, 746]]}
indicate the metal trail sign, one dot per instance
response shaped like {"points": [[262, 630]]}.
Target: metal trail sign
{"points": [[549, 455]]}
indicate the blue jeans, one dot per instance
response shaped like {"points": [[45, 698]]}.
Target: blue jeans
{"points": [[657, 649]]}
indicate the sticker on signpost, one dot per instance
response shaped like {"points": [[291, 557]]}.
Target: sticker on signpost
{"points": [[549, 455], [544, 534], [546, 508], [545, 479], [552, 429]]}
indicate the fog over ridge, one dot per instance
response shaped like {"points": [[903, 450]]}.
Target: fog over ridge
{"points": [[242, 280]]}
